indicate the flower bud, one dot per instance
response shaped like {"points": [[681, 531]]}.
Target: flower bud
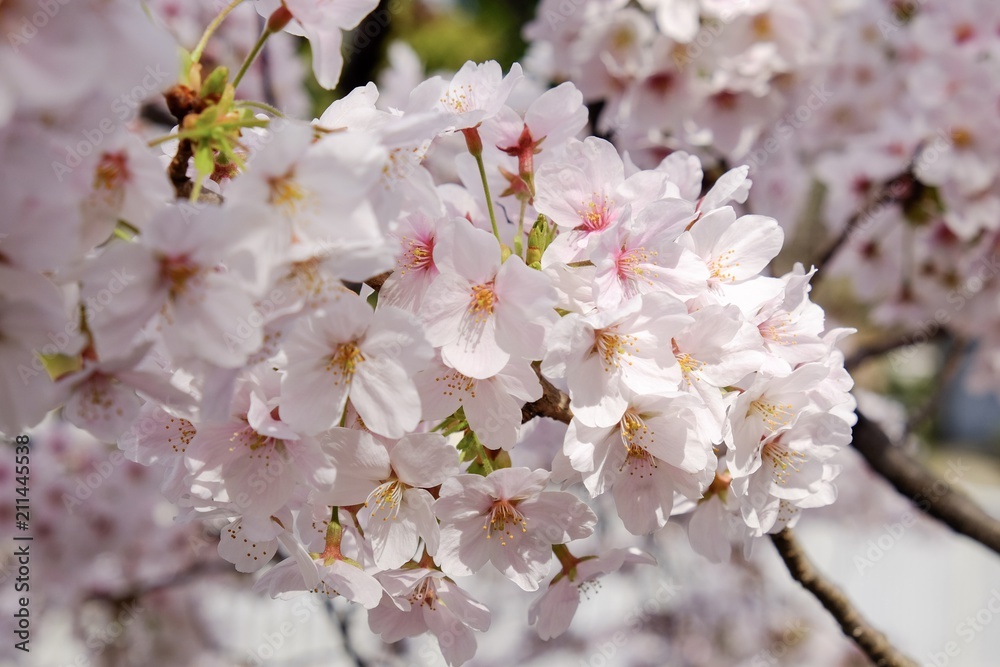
{"points": [[541, 235], [279, 19]]}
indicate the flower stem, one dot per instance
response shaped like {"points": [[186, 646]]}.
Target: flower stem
{"points": [[566, 559], [475, 145], [274, 111], [254, 52], [334, 533], [519, 239], [212, 27], [489, 198]]}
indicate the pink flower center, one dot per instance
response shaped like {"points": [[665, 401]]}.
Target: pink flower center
{"points": [[418, 255], [112, 171], [424, 594], [635, 432], [386, 497], [630, 268], [344, 361], [613, 346], [502, 514], [596, 215]]}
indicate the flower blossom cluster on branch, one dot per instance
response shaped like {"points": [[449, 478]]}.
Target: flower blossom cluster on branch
{"points": [[186, 297]]}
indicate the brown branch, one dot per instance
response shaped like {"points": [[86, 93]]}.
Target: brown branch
{"points": [[376, 282], [892, 344], [927, 491], [553, 403], [177, 171], [194, 572], [872, 642], [900, 189]]}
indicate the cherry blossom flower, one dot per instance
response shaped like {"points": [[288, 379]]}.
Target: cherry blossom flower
{"points": [[507, 519], [102, 395], [323, 25], [552, 611], [259, 458], [330, 573], [316, 197], [476, 92], [391, 483], [661, 446], [350, 351], [579, 194], [491, 405], [482, 312], [175, 275], [431, 602], [642, 257], [770, 405], [794, 470], [733, 249], [608, 355]]}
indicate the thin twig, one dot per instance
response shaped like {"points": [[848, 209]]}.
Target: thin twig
{"points": [[891, 345], [872, 642], [897, 190], [942, 387]]}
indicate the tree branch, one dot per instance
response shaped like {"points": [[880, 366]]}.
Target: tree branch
{"points": [[927, 491], [553, 404], [892, 344], [872, 642], [901, 189]]}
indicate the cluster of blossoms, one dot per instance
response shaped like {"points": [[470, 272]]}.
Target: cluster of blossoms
{"points": [[918, 157], [706, 74], [316, 338], [873, 123]]}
